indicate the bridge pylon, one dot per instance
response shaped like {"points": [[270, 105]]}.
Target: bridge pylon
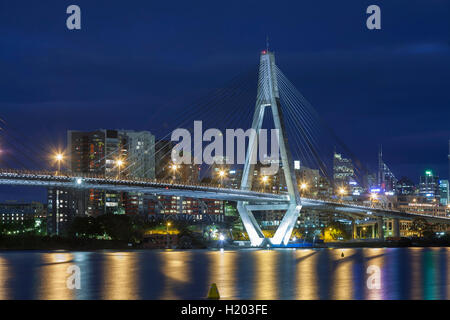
{"points": [[268, 96]]}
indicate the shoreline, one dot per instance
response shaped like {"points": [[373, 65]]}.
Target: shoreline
{"points": [[60, 243]]}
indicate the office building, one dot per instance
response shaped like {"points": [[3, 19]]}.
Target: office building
{"points": [[386, 179], [429, 186], [444, 193], [343, 171]]}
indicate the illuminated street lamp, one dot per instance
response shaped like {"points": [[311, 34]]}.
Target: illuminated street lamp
{"points": [[221, 174], [59, 157], [264, 179], [174, 169], [303, 187], [167, 233], [342, 192], [119, 163]]}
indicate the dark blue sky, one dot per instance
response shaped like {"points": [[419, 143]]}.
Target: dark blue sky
{"points": [[390, 86]]}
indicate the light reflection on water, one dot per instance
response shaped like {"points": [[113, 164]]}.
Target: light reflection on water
{"points": [[306, 277], [120, 281], [53, 277], [406, 273], [4, 274], [176, 271]]}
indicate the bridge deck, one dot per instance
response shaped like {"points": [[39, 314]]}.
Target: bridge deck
{"points": [[200, 191]]}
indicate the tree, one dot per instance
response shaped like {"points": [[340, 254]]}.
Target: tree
{"points": [[421, 226]]}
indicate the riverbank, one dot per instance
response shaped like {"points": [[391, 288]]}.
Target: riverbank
{"points": [[403, 243], [59, 243]]}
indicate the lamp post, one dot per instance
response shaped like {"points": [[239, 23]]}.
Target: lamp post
{"points": [[264, 179], [174, 168], [59, 157], [303, 187], [167, 233], [221, 176], [119, 163], [342, 192]]}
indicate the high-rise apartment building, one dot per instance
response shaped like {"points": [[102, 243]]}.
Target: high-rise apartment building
{"points": [[429, 186], [444, 192], [343, 171], [98, 152]]}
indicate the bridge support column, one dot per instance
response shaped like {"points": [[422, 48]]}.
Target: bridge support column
{"points": [[396, 227], [380, 228], [268, 96]]}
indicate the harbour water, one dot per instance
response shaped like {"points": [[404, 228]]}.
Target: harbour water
{"points": [[405, 273]]}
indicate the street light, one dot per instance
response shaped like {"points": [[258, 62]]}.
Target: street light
{"points": [[167, 233], [303, 187], [119, 163], [342, 192], [59, 157], [174, 168], [221, 174], [264, 179]]}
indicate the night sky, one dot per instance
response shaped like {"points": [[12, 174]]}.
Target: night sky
{"points": [[135, 64]]}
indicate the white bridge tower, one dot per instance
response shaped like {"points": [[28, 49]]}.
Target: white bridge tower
{"points": [[268, 96]]}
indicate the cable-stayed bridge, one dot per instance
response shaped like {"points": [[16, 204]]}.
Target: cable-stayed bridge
{"points": [[296, 122], [272, 201]]}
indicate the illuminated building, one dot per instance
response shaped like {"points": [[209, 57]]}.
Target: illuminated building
{"points": [[343, 171], [386, 179], [405, 186], [183, 208], [110, 153], [13, 212], [444, 192], [429, 186], [165, 169]]}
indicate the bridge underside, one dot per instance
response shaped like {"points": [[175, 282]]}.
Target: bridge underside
{"points": [[254, 201]]}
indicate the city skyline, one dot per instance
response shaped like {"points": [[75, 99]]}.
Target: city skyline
{"points": [[231, 150], [324, 64]]}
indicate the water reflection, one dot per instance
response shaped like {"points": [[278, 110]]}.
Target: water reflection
{"points": [[176, 270], [406, 273], [223, 272], [54, 275], [265, 276], [375, 257], [119, 282], [4, 275], [416, 276], [446, 284], [343, 274], [307, 287]]}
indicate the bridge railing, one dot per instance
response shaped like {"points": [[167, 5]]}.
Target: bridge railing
{"points": [[166, 182]]}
